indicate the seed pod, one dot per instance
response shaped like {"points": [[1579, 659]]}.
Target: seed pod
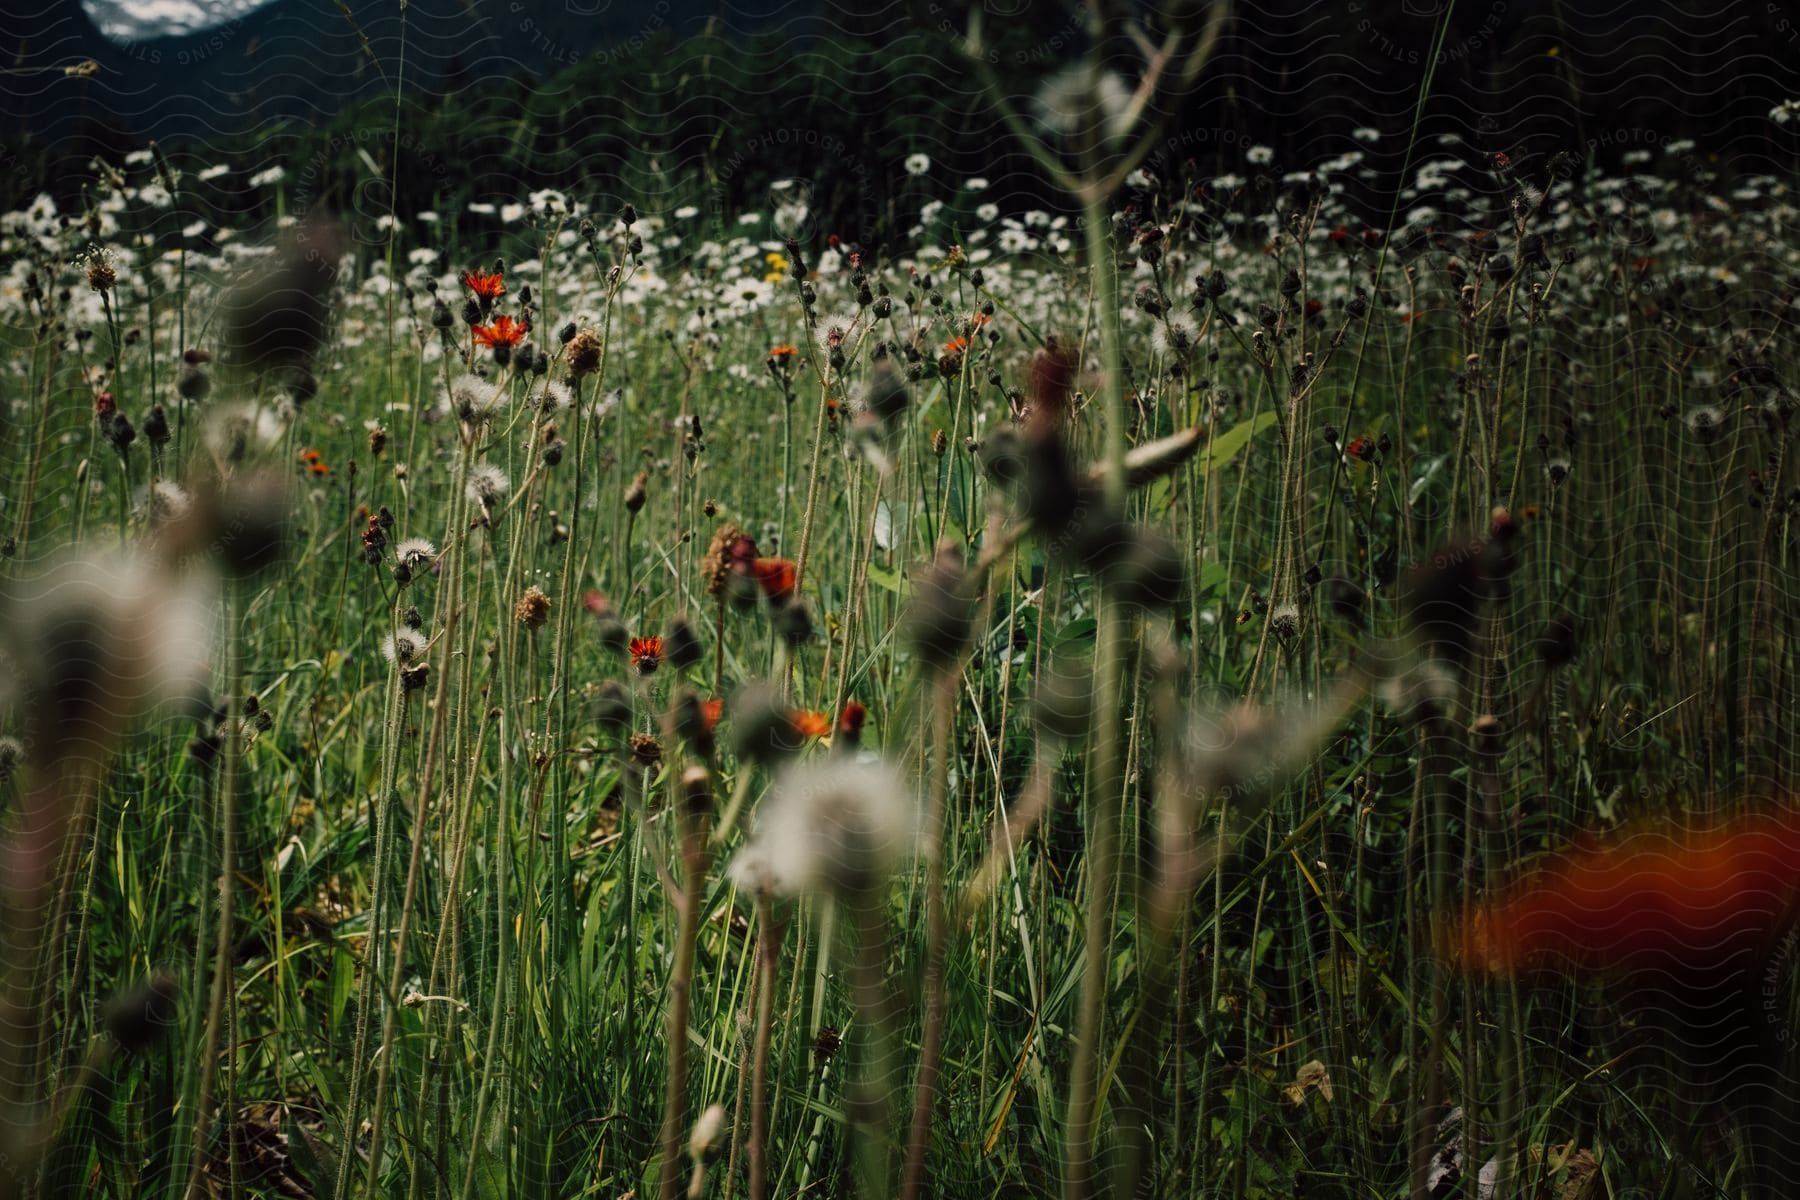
{"points": [[793, 622], [612, 707], [681, 645], [938, 622], [635, 494], [1556, 642], [138, 1019], [1146, 571], [762, 726]]}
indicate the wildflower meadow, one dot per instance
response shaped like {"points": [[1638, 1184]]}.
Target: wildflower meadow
{"points": [[1172, 665]]}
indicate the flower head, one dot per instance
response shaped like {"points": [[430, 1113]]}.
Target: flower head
{"points": [[837, 825], [646, 654], [811, 724], [776, 577], [484, 287], [504, 331], [1684, 906]]}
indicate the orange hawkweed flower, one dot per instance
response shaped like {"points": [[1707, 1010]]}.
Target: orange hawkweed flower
{"points": [[308, 456], [646, 654], [979, 320], [503, 332], [810, 724], [782, 353], [711, 711], [1689, 906], [318, 468], [777, 577], [956, 345], [850, 721], [486, 287]]}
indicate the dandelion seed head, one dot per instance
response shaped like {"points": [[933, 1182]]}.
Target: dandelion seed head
{"points": [[487, 484], [403, 646], [839, 826]]}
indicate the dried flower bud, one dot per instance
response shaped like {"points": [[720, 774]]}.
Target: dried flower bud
{"points": [[793, 622], [533, 608], [645, 751], [1556, 642], [582, 353], [1145, 570], [612, 707], [687, 721], [938, 621], [636, 493], [762, 726], [681, 645], [138, 1019]]}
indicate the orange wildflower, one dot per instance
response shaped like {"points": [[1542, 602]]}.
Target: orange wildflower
{"points": [[486, 287], [503, 332], [810, 724], [956, 345], [319, 468], [646, 654], [1693, 905], [776, 576], [711, 711], [782, 353]]}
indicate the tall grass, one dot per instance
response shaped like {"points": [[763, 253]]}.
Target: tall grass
{"points": [[500, 911]]}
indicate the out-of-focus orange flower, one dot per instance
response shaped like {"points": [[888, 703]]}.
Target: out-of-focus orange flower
{"points": [[776, 576], [956, 345], [1694, 905], [487, 287], [782, 353], [711, 711], [503, 332], [646, 654], [851, 719], [318, 468], [308, 456], [810, 724]]}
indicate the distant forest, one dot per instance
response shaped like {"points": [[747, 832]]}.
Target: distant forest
{"points": [[664, 105]]}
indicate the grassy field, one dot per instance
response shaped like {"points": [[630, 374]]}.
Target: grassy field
{"points": [[685, 705]]}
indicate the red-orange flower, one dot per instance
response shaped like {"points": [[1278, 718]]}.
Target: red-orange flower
{"points": [[711, 711], [318, 468], [776, 575], [782, 353], [503, 332], [956, 345], [646, 654], [810, 724], [850, 721], [487, 287], [1693, 906]]}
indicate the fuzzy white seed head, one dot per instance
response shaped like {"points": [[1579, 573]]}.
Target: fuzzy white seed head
{"points": [[487, 485], [403, 646], [838, 826]]}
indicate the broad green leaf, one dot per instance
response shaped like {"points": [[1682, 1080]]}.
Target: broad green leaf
{"points": [[1228, 445]]}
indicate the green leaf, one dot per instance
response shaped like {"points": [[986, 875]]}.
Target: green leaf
{"points": [[885, 577], [1228, 445]]}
